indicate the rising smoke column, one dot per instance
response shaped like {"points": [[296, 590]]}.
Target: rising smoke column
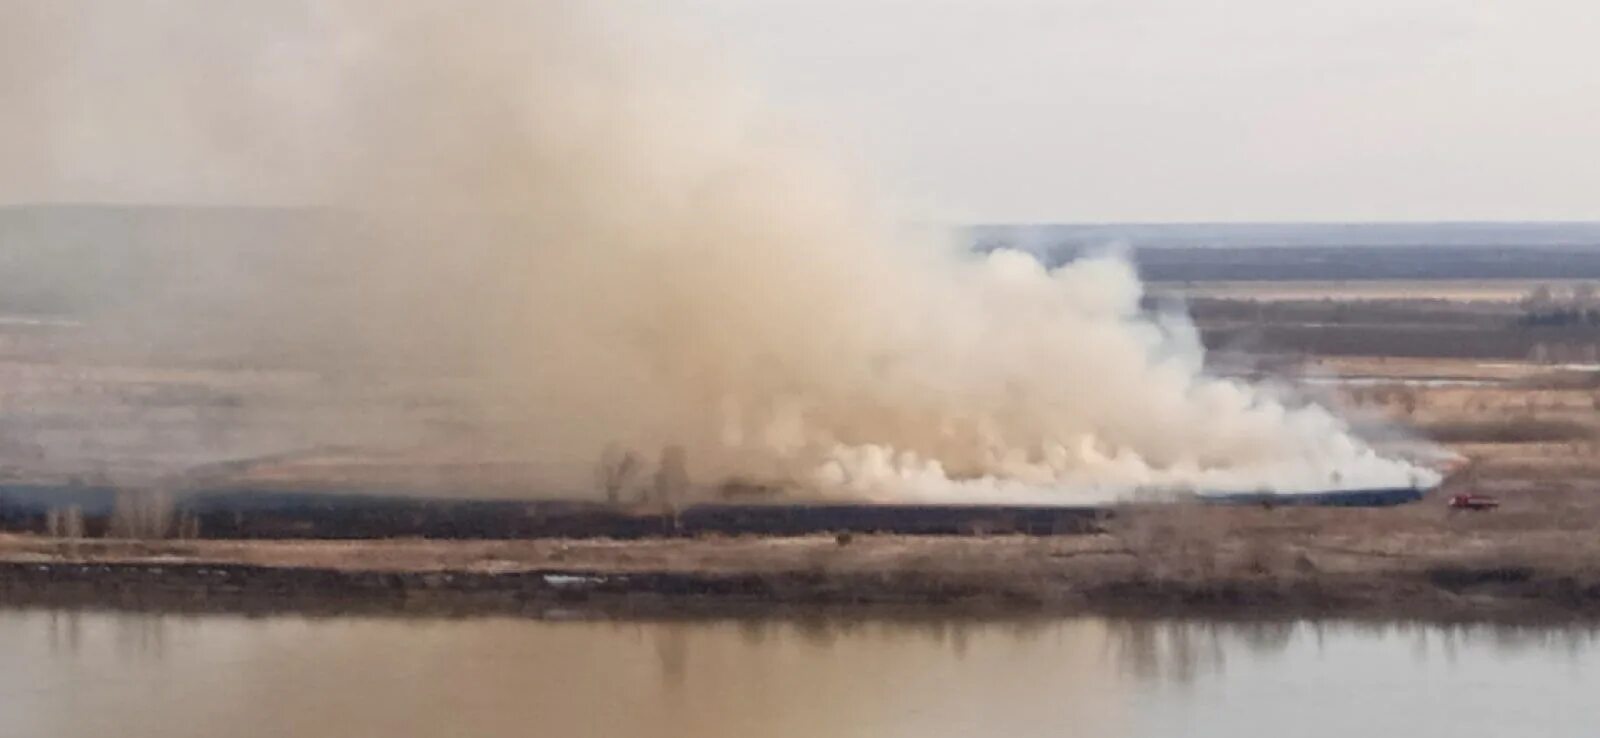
{"points": [[597, 237]]}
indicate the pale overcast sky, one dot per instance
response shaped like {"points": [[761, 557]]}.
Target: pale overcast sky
{"points": [[973, 110], [1030, 110]]}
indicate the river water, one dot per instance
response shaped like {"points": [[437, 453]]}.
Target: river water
{"points": [[66, 674]]}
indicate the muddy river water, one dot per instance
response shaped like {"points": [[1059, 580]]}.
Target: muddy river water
{"points": [[71, 674]]}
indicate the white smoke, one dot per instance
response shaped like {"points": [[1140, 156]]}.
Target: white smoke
{"points": [[613, 243]]}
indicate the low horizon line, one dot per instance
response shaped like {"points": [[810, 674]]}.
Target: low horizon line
{"points": [[1029, 223]]}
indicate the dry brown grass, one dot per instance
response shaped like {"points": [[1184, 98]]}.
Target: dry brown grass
{"points": [[1526, 429]]}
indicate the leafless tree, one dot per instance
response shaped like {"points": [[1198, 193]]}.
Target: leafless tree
{"points": [[672, 476], [615, 471]]}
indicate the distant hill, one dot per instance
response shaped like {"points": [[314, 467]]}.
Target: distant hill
{"points": [[1320, 251], [1290, 235]]}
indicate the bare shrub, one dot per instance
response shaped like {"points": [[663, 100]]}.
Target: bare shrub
{"points": [[188, 527], [1407, 398], [64, 522], [142, 514], [1171, 541], [1265, 555], [672, 477], [616, 471]]}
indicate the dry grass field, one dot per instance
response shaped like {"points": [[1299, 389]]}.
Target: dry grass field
{"points": [[1525, 431]]}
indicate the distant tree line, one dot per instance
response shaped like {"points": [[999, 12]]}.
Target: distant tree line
{"points": [[1546, 305]]}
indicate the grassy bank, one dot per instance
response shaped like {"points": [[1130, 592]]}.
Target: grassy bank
{"points": [[1162, 562]]}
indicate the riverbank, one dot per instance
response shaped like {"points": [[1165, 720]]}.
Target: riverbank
{"points": [[1347, 563]]}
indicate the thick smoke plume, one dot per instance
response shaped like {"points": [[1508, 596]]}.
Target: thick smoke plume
{"points": [[583, 233]]}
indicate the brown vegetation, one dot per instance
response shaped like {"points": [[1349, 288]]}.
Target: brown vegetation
{"points": [[1529, 432], [1512, 430], [1416, 561]]}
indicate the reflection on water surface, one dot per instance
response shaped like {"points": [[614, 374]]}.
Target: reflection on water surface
{"points": [[72, 674]]}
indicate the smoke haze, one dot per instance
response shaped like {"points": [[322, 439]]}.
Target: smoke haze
{"points": [[586, 234]]}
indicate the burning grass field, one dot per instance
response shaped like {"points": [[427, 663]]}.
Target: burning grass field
{"points": [[1525, 432]]}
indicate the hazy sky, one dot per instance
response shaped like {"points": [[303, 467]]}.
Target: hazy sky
{"points": [[1052, 110], [972, 110]]}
